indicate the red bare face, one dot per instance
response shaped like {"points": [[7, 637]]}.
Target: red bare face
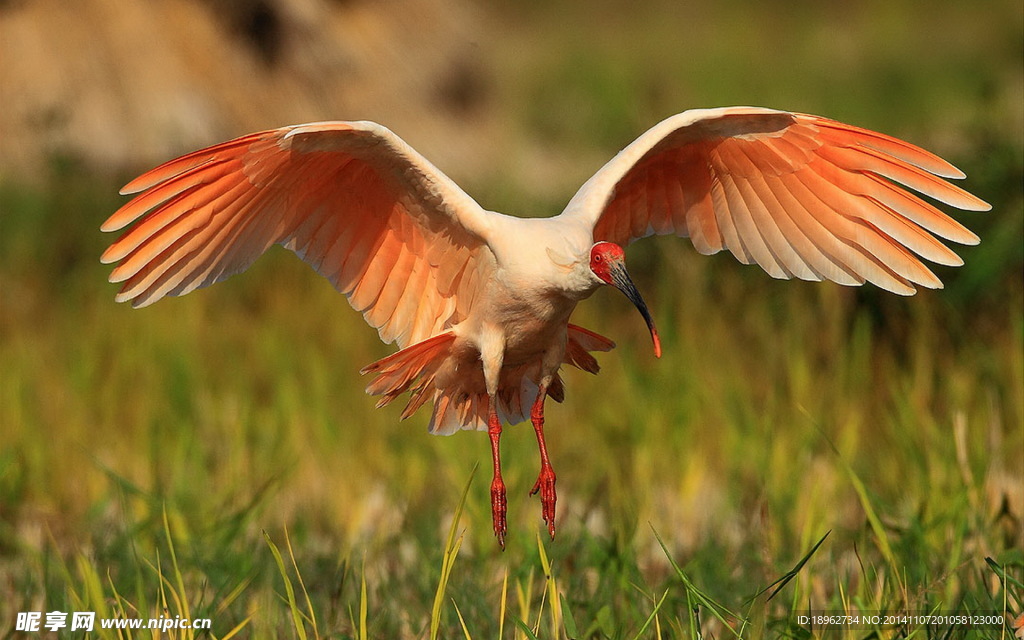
{"points": [[603, 256], [608, 262]]}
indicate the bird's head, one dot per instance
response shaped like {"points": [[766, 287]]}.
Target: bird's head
{"points": [[608, 263]]}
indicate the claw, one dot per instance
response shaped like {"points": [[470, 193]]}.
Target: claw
{"points": [[546, 486], [499, 507]]}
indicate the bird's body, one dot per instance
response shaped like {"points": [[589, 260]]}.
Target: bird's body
{"points": [[480, 302], [517, 328]]}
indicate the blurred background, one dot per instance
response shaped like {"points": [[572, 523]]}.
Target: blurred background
{"points": [[781, 410]]}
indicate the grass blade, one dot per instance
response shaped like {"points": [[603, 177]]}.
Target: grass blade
{"points": [[552, 591], [302, 585], [525, 596], [451, 550], [237, 628], [300, 628], [1006, 578], [789, 575], [525, 629], [567, 620], [362, 603], [651, 617], [717, 609], [462, 621], [874, 521], [181, 595], [504, 606]]}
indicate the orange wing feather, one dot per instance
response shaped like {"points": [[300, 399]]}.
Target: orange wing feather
{"points": [[367, 212], [800, 195]]}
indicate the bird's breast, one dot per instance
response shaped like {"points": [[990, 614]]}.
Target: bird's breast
{"points": [[531, 318]]}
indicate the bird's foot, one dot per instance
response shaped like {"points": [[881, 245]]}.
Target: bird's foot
{"points": [[499, 507], [546, 486]]}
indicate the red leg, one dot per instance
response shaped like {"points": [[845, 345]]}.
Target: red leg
{"points": [[499, 504], [546, 480]]}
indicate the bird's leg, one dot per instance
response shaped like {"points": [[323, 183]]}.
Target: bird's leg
{"points": [[546, 480], [492, 353], [499, 504]]}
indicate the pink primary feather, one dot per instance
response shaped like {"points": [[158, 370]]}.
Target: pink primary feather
{"points": [[351, 199], [800, 195]]}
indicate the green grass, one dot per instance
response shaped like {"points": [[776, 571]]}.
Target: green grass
{"points": [[215, 456]]}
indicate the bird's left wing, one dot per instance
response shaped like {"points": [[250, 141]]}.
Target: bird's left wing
{"points": [[800, 195], [389, 230]]}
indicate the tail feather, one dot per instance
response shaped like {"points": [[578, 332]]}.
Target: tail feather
{"points": [[579, 345], [415, 368], [419, 396], [442, 404], [556, 390], [397, 372], [589, 340]]}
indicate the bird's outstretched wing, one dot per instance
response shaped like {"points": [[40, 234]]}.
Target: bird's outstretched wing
{"points": [[800, 195], [353, 200]]}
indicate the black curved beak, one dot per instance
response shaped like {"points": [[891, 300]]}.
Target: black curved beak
{"points": [[622, 282]]}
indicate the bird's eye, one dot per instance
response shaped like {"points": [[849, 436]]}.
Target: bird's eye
{"points": [[598, 258]]}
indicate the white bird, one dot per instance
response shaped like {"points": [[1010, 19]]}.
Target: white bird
{"points": [[479, 302]]}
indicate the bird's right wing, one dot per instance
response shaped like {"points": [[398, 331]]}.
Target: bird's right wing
{"points": [[800, 195], [389, 230]]}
